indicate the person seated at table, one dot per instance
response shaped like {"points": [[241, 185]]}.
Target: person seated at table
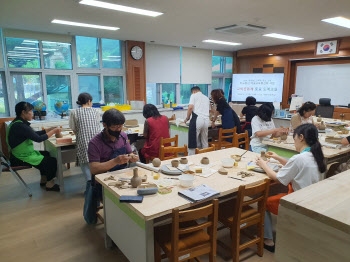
{"points": [[20, 137], [229, 118], [110, 149], [298, 172], [249, 112], [155, 127], [263, 126], [303, 116], [346, 140], [85, 123]]}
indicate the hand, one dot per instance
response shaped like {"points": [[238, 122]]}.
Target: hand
{"points": [[185, 120], [261, 162], [122, 159], [281, 131], [133, 158], [213, 124], [271, 154]]}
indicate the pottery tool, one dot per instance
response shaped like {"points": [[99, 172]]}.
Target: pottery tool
{"points": [[244, 152], [175, 178], [236, 178]]}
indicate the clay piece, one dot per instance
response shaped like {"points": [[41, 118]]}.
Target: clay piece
{"points": [[116, 183], [136, 180], [59, 135], [319, 119], [183, 160], [175, 163], [190, 172], [144, 178], [322, 126], [205, 161], [164, 190], [237, 158], [223, 171], [284, 137], [109, 178], [263, 155], [244, 174], [156, 162]]}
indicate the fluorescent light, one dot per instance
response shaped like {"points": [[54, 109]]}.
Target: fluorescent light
{"points": [[340, 21], [56, 21], [270, 54], [220, 42], [285, 37], [120, 8]]}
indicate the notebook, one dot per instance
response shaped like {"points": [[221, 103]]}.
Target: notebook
{"points": [[199, 193]]}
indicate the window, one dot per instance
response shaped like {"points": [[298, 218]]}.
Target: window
{"points": [[87, 51], [113, 89], [152, 93], [169, 93], [217, 64], [27, 87], [216, 83], [228, 65], [3, 97], [57, 55], [22, 53], [111, 53], [228, 82], [90, 84], [58, 90], [185, 92]]}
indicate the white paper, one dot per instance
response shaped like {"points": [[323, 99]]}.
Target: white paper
{"points": [[296, 103], [199, 193]]}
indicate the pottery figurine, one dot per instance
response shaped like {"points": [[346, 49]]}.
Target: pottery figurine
{"points": [[205, 161], [183, 160], [319, 119], [156, 162], [136, 180], [263, 155], [322, 126], [175, 163]]}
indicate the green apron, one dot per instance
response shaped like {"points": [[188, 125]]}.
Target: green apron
{"points": [[25, 151]]}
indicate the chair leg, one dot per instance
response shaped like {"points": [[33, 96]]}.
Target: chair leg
{"points": [[21, 181], [235, 245], [260, 244], [157, 252]]}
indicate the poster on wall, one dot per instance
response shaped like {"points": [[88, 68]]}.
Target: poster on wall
{"points": [[327, 47]]}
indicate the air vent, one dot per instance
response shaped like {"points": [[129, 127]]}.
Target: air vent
{"points": [[241, 29]]}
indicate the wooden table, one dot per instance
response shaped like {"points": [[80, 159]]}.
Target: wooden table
{"points": [[314, 222], [131, 226]]}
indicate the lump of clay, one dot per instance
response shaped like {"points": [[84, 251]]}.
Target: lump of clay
{"points": [[205, 161], [175, 163], [322, 126], [183, 160], [156, 162], [284, 137], [263, 155], [109, 178], [223, 171]]}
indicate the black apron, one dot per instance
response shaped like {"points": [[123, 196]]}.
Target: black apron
{"points": [[192, 132], [117, 152]]}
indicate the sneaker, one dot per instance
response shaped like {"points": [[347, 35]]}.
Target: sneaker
{"points": [[55, 188]]}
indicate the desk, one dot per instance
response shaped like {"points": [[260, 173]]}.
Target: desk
{"points": [[314, 223], [131, 226]]}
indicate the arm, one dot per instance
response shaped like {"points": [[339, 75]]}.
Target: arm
{"points": [[189, 112], [280, 159], [214, 118], [146, 129], [345, 140], [32, 135], [99, 168], [269, 172]]}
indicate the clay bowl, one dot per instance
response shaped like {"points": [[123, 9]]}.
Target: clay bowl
{"points": [[183, 160], [205, 161], [175, 163], [156, 162], [237, 158]]}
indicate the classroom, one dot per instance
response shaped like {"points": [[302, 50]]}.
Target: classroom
{"points": [[155, 130]]}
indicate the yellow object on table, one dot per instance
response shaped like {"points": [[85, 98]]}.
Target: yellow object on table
{"points": [[118, 107], [156, 176], [168, 105]]}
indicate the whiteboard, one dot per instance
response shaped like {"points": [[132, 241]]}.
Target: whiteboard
{"points": [[324, 81], [264, 87]]}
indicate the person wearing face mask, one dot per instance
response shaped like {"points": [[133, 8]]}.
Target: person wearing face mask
{"points": [[110, 149]]}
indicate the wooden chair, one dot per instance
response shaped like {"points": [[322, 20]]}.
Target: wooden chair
{"points": [[171, 152], [237, 214], [173, 117], [242, 139], [221, 142], [166, 142], [6, 166], [185, 239], [205, 150]]}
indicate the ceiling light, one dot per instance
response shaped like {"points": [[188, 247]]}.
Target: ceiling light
{"points": [[220, 42], [56, 21], [340, 21], [285, 37], [270, 54], [122, 8]]}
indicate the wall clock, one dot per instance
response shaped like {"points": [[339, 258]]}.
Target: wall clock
{"points": [[136, 52]]}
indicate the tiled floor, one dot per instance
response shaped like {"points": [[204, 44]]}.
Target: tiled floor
{"points": [[50, 225]]}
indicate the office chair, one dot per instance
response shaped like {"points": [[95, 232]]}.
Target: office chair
{"points": [[325, 109]]}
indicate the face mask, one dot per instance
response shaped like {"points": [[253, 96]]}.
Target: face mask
{"points": [[114, 133]]}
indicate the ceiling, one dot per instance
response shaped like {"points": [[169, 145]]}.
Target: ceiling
{"points": [[184, 22]]}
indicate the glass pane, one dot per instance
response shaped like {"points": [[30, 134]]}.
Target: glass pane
{"points": [[152, 93], [113, 87], [215, 83], [57, 55], [228, 82], [216, 62], [58, 93], [22, 53], [91, 85], [229, 61], [87, 51], [111, 53], [27, 87], [204, 89], [3, 97], [185, 93], [169, 93]]}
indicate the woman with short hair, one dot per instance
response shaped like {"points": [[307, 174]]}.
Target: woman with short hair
{"points": [[85, 123]]}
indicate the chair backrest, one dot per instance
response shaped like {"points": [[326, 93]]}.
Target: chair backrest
{"points": [[205, 150], [173, 117], [241, 139], [257, 194], [171, 152], [324, 111], [166, 142], [182, 225], [224, 135]]}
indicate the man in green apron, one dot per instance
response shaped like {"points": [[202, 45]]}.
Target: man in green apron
{"points": [[20, 137]]}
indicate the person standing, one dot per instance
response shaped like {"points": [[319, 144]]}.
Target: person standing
{"points": [[85, 123], [198, 110]]}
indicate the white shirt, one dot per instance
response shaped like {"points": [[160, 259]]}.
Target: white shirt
{"points": [[200, 104], [259, 125], [301, 170]]}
